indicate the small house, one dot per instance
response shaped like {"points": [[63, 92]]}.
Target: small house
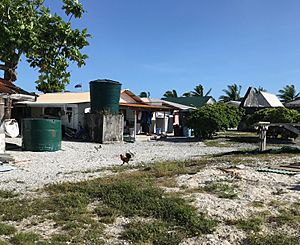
{"points": [[255, 100]]}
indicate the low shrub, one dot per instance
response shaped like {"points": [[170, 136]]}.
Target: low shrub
{"points": [[275, 115], [212, 118]]}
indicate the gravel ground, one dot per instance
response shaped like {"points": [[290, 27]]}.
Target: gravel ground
{"points": [[77, 160], [251, 186]]}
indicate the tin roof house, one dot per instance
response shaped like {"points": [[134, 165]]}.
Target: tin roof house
{"points": [[71, 107], [255, 100]]}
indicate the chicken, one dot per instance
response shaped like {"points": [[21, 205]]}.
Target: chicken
{"points": [[125, 158]]}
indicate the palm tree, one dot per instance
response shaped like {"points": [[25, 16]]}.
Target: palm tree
{"points": [[187, 94], [232, 93], [144, 94], [170, 94], [260, 89], [288, 93], [199, 91]]}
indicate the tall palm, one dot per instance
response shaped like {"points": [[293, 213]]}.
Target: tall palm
{"points": [[199, 91], [260, 89], [187, 94], [144, 94], [170, 94], [231, 93], [288, 93]]}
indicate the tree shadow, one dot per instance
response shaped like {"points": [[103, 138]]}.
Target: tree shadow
{"points": [[295, 187], [179, 139]]}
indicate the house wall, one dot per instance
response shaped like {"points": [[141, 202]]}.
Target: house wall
{"points": [[37, 112], [81, 108]]}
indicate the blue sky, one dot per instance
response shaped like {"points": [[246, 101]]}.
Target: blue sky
{"points": [[159, 45]]}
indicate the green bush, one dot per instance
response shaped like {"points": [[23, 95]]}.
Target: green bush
{"points": [[275, 115], [212, 118]]}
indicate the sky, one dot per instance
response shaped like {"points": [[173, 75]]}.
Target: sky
{"points": [[160, 45]]}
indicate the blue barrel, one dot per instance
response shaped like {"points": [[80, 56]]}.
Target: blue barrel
{"points": [[105, 96], [41, 134]]}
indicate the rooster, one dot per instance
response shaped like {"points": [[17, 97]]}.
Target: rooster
{"points": [[126, 158]]}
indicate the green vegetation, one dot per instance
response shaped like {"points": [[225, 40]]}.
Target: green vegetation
{"points": [[258, 204], [80, 212], [288, 93], [6, 229], [272, 239], [288, 216], [45, 40], [222, 190], [210, 119], [251, 224], [170, 94], [151, 232], [275, 115], [25, 238], [233, 92], [7, 194], [198, 91], [81, 209]]}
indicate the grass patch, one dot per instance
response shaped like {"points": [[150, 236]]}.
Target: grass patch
{"points": [[139, 197], [289, 216], [282, 150], [7, 194], [80, 209], [151, 232], [252, 224], [272, 239], [221, 190], [18, 209], [170, 169], [106, 214], [257, 204], [24, 238], [6, 229]]}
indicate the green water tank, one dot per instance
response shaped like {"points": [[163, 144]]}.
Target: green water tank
{"points": [[41, 134], [105, 96]]}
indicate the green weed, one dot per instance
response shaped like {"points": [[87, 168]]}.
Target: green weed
{"points": [[221, 190], [6, 229], [24, 238], [272, 239]]}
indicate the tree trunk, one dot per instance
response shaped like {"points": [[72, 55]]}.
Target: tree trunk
{"points": [[10, 74], [10, 71]]}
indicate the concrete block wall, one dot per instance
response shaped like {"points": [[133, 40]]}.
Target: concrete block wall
{"points": [[104, 128]]}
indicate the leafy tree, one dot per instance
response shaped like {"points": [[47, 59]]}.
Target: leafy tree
{"points": [[288, 93], [169, 94], [144, 94], [199, 91], [231, 93], [212, 118], [45, 40]]}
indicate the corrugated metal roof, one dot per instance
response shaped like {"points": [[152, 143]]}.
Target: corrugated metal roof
{"points": [[145, 106], [7, 87], [294, 103], [272, 99], [168, 103], [259, 99], [126, 96]]}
